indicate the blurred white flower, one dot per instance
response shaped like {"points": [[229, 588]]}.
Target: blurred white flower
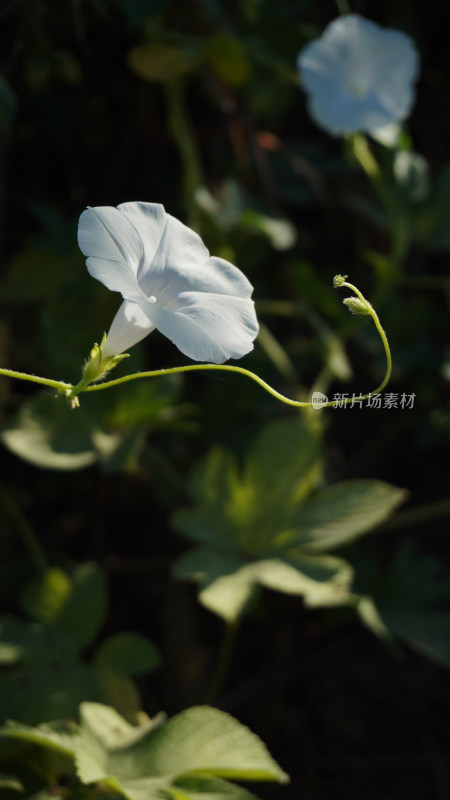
{"points": [[359, 77], [168, 281]]}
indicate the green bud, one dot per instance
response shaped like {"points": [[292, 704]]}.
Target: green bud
{"points": [[92, 367], [355, 305], [338, 280]]}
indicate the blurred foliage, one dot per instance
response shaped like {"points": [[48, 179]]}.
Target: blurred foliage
{"points": [[256, 529], [186, 757], [196, 104], [43, 675]]}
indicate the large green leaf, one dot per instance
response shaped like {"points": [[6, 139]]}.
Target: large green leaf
{"points": [[107, 428], [42, 435], [201, 740], [340, 513], [263, 529], [320, 580], [250, 513], [228, 585], [283, 463]]}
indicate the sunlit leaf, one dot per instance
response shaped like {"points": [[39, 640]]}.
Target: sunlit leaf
{"points": [[201, 740], [199, 787], [340, 513], [42, 435]]}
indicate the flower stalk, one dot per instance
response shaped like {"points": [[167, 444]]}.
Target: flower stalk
{"points": [[98, 365]]}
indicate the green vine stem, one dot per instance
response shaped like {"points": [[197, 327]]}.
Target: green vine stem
{"points": [[400, 228], [358, 305]]}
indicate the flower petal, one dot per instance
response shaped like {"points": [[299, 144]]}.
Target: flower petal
{"points": [[358, 76], [149, 221], [207, 327], [180, 249], [128, 327], [113, 247]]}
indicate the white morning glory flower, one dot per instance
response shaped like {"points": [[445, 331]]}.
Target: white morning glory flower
{"points": [[168, 281], [359, 77]]}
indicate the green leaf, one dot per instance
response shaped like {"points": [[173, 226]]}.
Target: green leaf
{"points": [[229, 585], [42, 435], [340, 513], [48, 679], [214, 479], [110, 729], [320, 580], [199, 740], [411, 597], [250, 514], [263, 529], [44, 599], [85, 609], [230, 596], [58, 736], [197, 787], [128, 653], [76, 605], [283, 463]]}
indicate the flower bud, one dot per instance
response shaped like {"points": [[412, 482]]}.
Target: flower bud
{"points": [[355, 305]]}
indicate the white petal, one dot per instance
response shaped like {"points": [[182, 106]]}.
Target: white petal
{"points": [[129, 326], [180, 250], [149, 221], [207, 327], [113, 247], [116, 276]]}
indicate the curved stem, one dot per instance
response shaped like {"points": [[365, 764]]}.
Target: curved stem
{"points": [[71, 392], [155, 373], [241, 371]]}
